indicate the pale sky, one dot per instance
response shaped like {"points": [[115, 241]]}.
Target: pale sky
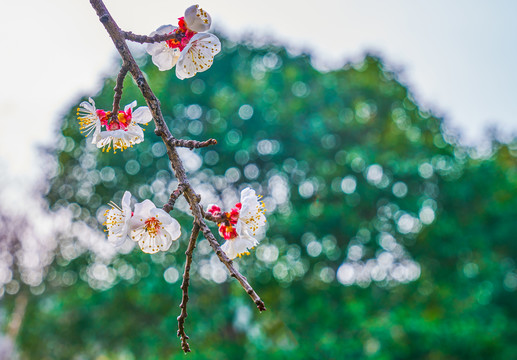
{"points": [[458, 57]]}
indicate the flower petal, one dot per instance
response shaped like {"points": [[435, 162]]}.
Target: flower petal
{"points": [[166, 59], [197, 19], [142, 115], [130, 106], [198, 55], [173, 229], [238, 246]]}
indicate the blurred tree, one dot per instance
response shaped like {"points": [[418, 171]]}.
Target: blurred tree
{"points": [[386, 239]]}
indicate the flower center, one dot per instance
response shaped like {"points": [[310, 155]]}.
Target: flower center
{"points": [[122, 121], [227, 231], [185, 34], [152, 226]]}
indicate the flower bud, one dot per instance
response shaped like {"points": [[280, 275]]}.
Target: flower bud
{"points": [[197, 19]]}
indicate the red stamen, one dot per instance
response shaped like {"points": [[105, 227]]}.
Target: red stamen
{"points": [[152, 226]]}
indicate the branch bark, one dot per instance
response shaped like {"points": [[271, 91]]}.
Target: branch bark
{"points": [[118, 90], [172, 199], [193, 144], [142, 39], [184, 287]]}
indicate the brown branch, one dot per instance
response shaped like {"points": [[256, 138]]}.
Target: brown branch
{"points": [[215, 218], [151, 39], [184, 287], [119, 39], [192, 144], [118, 90], [172, 199]]}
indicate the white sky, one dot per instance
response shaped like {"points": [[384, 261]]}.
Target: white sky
{"points": [[458, 57]]}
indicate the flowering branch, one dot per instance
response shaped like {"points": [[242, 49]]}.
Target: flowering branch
{"points": [[142, 39], [145, 210], [229, 265], [184, 287]]}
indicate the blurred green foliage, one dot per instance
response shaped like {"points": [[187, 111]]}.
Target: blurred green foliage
{"points": [[386, 239]]}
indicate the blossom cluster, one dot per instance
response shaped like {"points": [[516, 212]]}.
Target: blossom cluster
{"points": [[191, 50], [152, 228], [195, 50], [155, 230], [118, 132], [242, 224]]}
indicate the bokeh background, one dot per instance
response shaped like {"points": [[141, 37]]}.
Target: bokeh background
{"points": [[379, 134]]}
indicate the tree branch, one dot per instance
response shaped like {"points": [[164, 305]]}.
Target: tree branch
{"points": [[172, 199], [151, 39], [118, 90], [184, 287], [192, 144], [119, 39], [217, 219]]}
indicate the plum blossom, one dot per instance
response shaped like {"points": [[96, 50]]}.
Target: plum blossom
{"points": [[197, 19], [163, 54], [117, 220], [120, 132], [190, 51], [198, 55], [153, 228], [242, 224]]}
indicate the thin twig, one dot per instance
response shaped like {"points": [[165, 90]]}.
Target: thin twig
{"points": [[118, 90], [151, 39], [193, 144], [184, 287], [215, 218], [172, 199]]}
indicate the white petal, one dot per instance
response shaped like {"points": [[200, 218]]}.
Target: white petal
{"points": [[155, 48], [148, 244], [198, 55], [141, 214], [238, 246], [164, 29], [197, 19], [130, 106], [161, 215], [117, 239], [126, 201], [166, 59], [134, 134], [164, 241], [174, 229], [138, 234], [142, 115]]}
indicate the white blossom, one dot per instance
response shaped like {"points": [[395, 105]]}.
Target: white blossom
{"points": [[198, 55], [153, 228], [163, 55], [125, 132], [197, 19], [250, 223]]}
